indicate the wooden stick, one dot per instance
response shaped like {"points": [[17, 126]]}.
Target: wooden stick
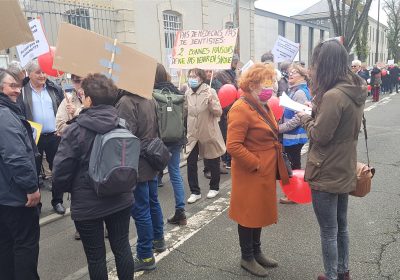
{"points": [[180, 78], [110, 69], [212, 76]]}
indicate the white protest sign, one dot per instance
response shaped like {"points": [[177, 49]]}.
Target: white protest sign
{"points": [[205, 49], [287, 102], [284, 50], [39, 46], [390, 62], [247, 66]]}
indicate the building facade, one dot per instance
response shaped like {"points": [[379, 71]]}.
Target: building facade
{"points": [[319, 14], [268, 26]]}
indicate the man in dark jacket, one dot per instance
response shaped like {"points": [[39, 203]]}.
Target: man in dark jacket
{"points": [[41, 98], [140, 115], [394, 75], [19, 193]]}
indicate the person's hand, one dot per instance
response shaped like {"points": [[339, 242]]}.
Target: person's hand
{"points": [[71, 109], [33, 199]]}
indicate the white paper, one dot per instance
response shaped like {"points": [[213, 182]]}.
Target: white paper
{"points": [[247, 66], [287, 102], [29, 51], [284, 50]]}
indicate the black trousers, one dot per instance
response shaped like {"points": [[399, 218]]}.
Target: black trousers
{"points": [[48, 143], [19, 243], [193, 178], [92, 236], [294, 154], [249, 239]]}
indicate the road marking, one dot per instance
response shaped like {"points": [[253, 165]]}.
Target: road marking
{"points": [[53, 217], [179, 235], [383, 101]]}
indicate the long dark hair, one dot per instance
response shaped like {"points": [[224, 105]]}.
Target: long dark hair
{"points": [[329, 65]]}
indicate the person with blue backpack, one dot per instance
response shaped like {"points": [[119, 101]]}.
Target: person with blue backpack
{"points": [[294, 136]]}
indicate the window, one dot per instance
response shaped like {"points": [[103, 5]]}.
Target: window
{"points": [[229, 24], [321, 35], [79, 17], [281, 28], [172, 24], [297, 33]]}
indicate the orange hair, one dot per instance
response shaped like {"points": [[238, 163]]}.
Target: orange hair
{"points": [[259, 73]]}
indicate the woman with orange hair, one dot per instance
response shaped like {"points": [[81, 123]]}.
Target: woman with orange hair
{"points": [[256, 154]]}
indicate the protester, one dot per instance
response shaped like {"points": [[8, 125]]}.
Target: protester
{"points": [[294, 136], [163, 82], [333, 129], [395, 75], [17, 70], [386, 80], [376, 81], [141, 118], [364, 73], [256, 160], [283, 84], [19, 193], [70, 174], [41, 98], [356, 66], [203, 133], [71, 106]]}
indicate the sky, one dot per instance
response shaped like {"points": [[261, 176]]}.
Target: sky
{"points": [[292, 7]]}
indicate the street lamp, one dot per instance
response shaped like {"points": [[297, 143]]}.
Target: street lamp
{"points": [[377, 33]]}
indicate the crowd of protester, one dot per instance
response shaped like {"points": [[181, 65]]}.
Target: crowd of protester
{"points": [[243, 136]]}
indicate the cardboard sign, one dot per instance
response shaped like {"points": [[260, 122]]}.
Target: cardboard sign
{"points": [[285, 50], [39, 46], [81, 52], [14, 27], [205, 49]]}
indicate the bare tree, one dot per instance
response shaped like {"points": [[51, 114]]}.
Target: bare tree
{"points": [[392, 10], [347, 17]]}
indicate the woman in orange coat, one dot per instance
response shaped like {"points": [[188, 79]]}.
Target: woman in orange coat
{"points": [[256, 154]]}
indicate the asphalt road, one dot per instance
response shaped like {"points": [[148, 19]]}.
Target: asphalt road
{"points": [[208, 247]]}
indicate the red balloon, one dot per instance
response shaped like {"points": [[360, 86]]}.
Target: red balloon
{"points": [[227, 94], [273, 103], [46, 63], [384, 72], [369, 87], [297, 190]]}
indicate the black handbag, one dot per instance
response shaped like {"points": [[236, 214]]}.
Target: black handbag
{"points": [[155, 153]]}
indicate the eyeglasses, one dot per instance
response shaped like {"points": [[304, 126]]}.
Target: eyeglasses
{"points": [[291, 73], [13, 85]]}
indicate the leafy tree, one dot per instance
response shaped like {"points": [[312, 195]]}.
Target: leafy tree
{"points": [[392, 10], [362, 48], [347, 17]]}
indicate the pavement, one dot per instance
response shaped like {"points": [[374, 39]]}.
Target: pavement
{"points": [[207, 248]]}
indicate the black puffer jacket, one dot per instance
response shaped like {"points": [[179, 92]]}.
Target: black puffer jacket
{"points": [[17, 155], [71, 163]]}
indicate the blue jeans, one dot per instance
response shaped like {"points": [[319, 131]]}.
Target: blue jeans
{"points": [[175, 176], [146, 212], [331, 212]]}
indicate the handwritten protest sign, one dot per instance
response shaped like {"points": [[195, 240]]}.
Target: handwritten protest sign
{"points": [[14, 27], [284, 50], [205, 49], [132, 70], [39, 46]]}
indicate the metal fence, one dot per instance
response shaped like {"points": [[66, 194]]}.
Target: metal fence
{"points": [[97, 16]]}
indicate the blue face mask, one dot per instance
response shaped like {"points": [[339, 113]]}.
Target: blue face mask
{"points": [[193, 83]]}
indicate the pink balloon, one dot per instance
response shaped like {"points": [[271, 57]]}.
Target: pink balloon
{"points": [[227, 94], [273, 103], [297, 190], [46, 63]]}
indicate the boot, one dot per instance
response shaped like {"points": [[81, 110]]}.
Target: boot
{"points": [[179, 218], [253, 267], [344, 276], [265, 261]]}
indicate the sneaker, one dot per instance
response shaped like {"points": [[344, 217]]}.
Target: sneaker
{"points": [[228, 165], [159, 245], [144, 264], [193, 198], [285, 200], [212, 193]]}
